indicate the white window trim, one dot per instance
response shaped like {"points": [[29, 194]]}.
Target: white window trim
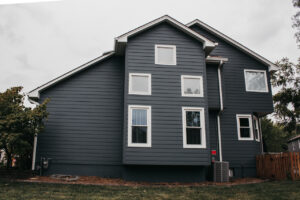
{"points": [[174, 61], [299, 144], [203, 131], [256, 121], [266, 80], [130, 108], [130, 91], [191, 95], [250, 126]]}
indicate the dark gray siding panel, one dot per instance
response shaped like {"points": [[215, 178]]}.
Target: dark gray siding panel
{"points": [[213, 86], [84, 128], [213, 130], [166, 101], [164, 173], [240, 154]]}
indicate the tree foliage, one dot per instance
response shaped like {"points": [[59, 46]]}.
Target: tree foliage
{"points": [[287, 99], [296, 20], [19, 125], [274, 136]]}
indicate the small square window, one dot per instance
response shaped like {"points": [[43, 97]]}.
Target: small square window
{"points": [[139, 126], [193, 127], [139, 84], [256, 80], [244, 126], [165, 54], [191, 86]]}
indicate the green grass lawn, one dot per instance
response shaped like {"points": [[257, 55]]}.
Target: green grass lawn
{"points": [[269, 190]]}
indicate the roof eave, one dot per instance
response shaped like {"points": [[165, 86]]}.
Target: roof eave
{"points": [[121, 41], [265, 61], [35, 94]]}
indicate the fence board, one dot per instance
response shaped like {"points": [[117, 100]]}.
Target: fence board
{"points": [[278, 166]]}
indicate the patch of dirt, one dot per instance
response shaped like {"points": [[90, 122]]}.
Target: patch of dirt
{"points": [[94, 180]]}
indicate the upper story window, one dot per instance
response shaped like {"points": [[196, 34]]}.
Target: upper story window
{"points": [[244, 126], [165, 54], [256, 80], [139, 126], [139, 84], [193, 127], [191, 86], [256, 129]]}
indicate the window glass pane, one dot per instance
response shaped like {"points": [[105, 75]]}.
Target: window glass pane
{"points": [[255, 81], [191, 85], [165, 55], [139, 117], [139, 134], [193, 118], [193, 135], [139, 83], [244, 122], [245, 132]]}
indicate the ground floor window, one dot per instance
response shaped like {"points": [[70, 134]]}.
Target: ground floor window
{"points": [[193, 127], [244, 127], [139, 126], [256, 129]]}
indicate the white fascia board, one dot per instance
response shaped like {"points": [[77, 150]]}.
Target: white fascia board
{"points": [[206, 42], [35, 94], [215, 59], [271, 65]]}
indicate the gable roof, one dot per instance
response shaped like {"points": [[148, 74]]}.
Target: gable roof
{"points": [[231, 41], [294, 138], [35, 94], [121, 41]]}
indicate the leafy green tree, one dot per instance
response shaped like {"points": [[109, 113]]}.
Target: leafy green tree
{"points": [[287, 99], [296, 20], [274, 137], [19, 125]]}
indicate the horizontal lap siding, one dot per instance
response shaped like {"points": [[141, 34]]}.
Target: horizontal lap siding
{"points": [[166, 100], [213, 86], [238, 101], [86, 116]]}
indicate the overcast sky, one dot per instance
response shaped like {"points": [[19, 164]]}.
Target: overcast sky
{"points": [[40, 41]]}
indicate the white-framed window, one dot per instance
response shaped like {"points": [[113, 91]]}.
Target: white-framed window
{"points": [[139, 84], [191, 86], [256, 80], [299, 144], [244, 127], [165, 54], [193, 123], [139, 126], [256, 129]]}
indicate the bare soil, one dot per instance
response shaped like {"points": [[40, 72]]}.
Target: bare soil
{"points": [[93, 180]]}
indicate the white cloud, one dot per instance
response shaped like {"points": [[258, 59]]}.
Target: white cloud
{"points": [[41, 41]]}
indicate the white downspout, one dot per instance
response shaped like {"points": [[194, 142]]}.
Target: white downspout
{"points": [[34, 153], [221, 110], [34, 141]]}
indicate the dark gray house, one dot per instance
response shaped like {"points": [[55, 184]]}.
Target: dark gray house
{"points": [[294, 144], [156, 106]]}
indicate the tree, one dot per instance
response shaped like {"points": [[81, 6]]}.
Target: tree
{"points": [[274, 137], [296, 20], [287, 99], [19, 125]]}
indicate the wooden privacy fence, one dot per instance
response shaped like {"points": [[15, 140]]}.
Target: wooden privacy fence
{"points": [[278, 165]]}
